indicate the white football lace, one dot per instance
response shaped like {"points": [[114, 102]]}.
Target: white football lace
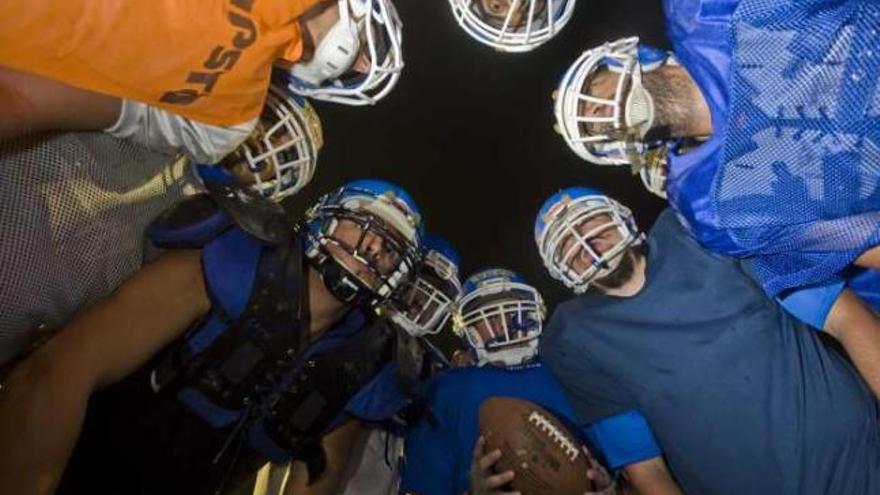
{"points": [[558, 437]]}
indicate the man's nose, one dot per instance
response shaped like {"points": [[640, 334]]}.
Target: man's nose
{"points": [[362, 63], [374, 244], [592, 109]]}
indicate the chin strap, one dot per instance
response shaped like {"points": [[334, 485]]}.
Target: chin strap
{"points": [[335, 54]]}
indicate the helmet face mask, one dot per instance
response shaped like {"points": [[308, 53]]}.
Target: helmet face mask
{"points": [[500, 318], [280, 156], [366, 28], [425, 304], [364, 242], [287, 146], [584, 237], [654, 173], [512, 25], [609, 128]]}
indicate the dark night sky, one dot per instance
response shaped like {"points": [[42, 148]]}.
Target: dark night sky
{"points": [[468, 132]]}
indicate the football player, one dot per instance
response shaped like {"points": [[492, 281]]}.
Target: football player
{"points": [[512, 25], [500, 318], [196, 79], [782, 169], [257, 377], [383, 406], [75, 233], [280, 155], [742, 397]]}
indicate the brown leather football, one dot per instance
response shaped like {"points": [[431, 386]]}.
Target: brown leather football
{"points": [[545, 457]]}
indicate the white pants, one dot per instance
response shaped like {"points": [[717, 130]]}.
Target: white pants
{"points": [[371, 471], [375, 471], [166, 132]]}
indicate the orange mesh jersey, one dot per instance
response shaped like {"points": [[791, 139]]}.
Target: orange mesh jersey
{"points": [[209, 60]]}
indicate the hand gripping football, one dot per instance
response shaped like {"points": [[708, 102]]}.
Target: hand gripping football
{"points": [[546, 457]]}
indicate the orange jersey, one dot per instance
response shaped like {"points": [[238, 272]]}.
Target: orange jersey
{"points": [[208, 60]]}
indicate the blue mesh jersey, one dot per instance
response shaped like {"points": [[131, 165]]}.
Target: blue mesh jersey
{"points": [[792, 172], [438, 449], [742, 398]]}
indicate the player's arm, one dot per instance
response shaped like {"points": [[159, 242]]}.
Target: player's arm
{"points": [[43, 403], [652, 477], [33, 103], [339, 446], [857, 327], [627, 442], [869, 259]]}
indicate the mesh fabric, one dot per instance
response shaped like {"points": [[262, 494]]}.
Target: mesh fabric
{"points": [[800, 180], [74, 209]]}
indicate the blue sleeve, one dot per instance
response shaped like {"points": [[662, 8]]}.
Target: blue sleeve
{"points": [[429, 464], [866, 284], [812, 304], [624, 439]]}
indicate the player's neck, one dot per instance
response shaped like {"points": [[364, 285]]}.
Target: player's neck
{"points": [[700, 123], [324, 309]]}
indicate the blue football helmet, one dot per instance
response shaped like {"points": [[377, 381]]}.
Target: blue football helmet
{"points": [[365, 240], [582, 235], [609, 129], [368, 33], [280, 156], [424, 306], [512, 25], [500, 317]]}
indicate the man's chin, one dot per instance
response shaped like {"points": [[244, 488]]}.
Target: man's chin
{"points": [[622, 273]]}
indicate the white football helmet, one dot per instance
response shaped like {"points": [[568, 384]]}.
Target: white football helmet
{"points": [[609, 129], [280, 155], [500, 317], [566, 239], [348, 268], [368, 28], [426, 304], [514, 26]]}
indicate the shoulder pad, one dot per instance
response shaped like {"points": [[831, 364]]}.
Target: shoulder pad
{"points": [[190, 223]]}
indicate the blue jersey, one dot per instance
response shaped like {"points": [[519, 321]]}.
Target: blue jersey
{"points": [[438, 450], [741, 397], [789, 175]]}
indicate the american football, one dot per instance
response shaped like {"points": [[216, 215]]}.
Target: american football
{"points": [[538, 447]]}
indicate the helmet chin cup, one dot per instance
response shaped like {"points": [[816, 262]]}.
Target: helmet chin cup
{"points": [[339, 282], [334, 55], [639, 111]]}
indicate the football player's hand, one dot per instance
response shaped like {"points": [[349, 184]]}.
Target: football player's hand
{"points": [[600, 477], [483, 480]]}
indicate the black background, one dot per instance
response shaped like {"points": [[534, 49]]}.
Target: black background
{"points": [[468, 131]]}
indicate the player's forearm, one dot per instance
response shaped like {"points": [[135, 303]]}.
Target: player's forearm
{"points": [[33, 103], [870, 258], [42, 406], [858, 328], [151, 309], [652, 477], [43, 403]]}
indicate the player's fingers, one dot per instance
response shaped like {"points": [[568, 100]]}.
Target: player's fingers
{"points": [[478, 447], [499, 480], [489, 459]]}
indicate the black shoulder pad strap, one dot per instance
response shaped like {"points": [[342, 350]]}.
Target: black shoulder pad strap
{"points": [[255, 348], [256, 215], [324, 385]]}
